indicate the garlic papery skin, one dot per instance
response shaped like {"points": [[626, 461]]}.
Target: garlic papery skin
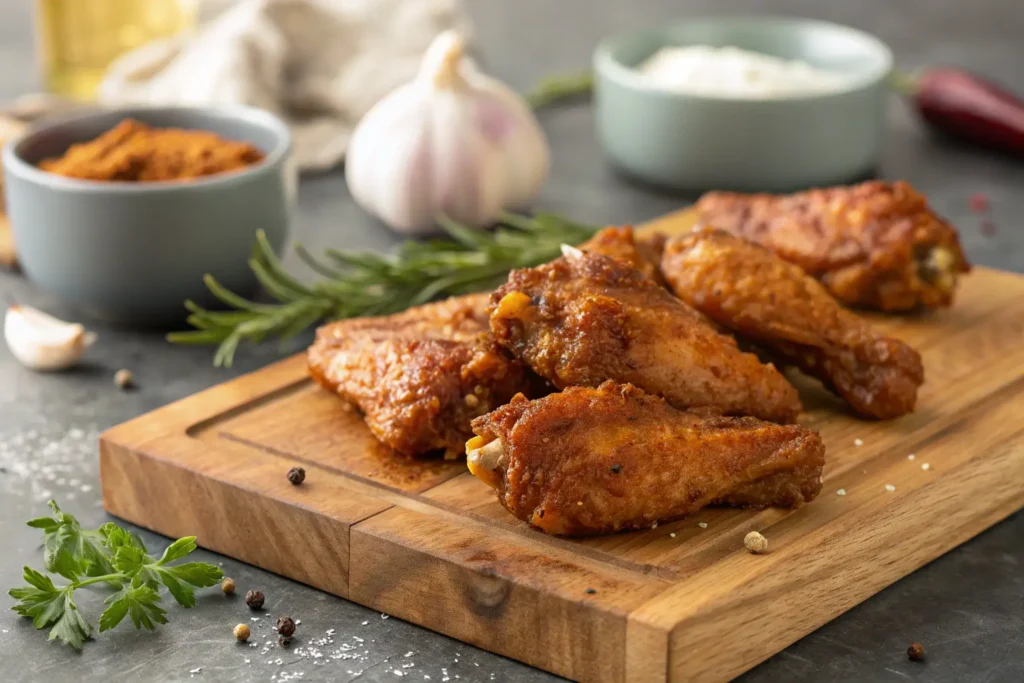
{"points": [[453, 141], [42, 342]]}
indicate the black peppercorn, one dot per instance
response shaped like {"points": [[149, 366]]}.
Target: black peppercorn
{"points": [[915, 652], [590, 591], [616, 469], [254, 599], [296, 475], [286, 626]]}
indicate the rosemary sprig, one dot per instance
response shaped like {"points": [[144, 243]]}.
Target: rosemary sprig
{"points": [[363, 283]]}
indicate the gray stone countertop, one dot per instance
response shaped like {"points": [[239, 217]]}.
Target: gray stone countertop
{"points": [[966, 607]]}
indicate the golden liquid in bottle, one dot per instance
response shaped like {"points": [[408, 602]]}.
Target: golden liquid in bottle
{"points": [[78, 39]]}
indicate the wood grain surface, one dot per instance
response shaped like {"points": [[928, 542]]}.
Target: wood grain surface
{"points": [[426, 542]]}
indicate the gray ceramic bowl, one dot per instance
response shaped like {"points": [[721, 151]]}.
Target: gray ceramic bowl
{"points": [[133, 252], [697, 142]]}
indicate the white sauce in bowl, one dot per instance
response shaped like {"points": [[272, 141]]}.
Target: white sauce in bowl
{"points": [[735, 73]]}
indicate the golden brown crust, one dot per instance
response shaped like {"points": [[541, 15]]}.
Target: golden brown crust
{"points": [[756, 294], [582, 320], [621, 244], [876, 245], [420, 376], [593, 461]]}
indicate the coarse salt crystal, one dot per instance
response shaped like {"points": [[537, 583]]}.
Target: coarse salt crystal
{"points": [[890, 487], [384, 616], [925, 466], [858, 442], [408, 654], [911, 456], [841, 492], [702, 525], [673, 535]]}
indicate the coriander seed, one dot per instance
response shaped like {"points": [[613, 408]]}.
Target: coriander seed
{"points": [[254, 599], [755, 542], [286, 626], [296, 475], [242, 633], [123, 379], [915, 652], [228, 585]]}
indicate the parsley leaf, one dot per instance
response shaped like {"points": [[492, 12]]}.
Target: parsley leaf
{"points": [[139, 602], [68, 550], [113, 556], [49, 605]]}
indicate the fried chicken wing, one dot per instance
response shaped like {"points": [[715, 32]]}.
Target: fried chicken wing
{"points": [[420, 376], [593, 461], [585, 318], [622, 244], [754, 293], [876, 245]]}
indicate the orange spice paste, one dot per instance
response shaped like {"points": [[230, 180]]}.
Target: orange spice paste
{"points": [[133, 151]]}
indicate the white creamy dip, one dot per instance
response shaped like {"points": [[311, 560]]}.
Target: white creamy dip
{"points": [[732, 72]]}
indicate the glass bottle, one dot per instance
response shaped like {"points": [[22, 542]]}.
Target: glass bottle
{"points": [[78, 39]]}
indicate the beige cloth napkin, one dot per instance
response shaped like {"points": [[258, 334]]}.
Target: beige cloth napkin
{"points": [[319, 64]]}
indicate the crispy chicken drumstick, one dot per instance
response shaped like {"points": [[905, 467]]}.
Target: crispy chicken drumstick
{"points": [[754, 293], [876, 245], [595, 461], [585, 318], [420, 376]]}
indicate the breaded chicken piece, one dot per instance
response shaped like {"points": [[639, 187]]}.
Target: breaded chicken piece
{"points": [[420, 376], [594, 461], [876, 245], [585, 318], [622, 244], [751, 291]]}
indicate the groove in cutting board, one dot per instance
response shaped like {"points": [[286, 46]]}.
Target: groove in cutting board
{"points": [[427, 542]]}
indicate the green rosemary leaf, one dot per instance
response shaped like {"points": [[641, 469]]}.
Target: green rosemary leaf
{"points": [[367, 284]]}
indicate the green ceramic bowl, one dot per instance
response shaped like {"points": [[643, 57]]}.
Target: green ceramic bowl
{"points": [[697, 142], [133, 252]]}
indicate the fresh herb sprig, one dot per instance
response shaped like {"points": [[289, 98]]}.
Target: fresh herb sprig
{"points": [[363, 283], [112, 556]]}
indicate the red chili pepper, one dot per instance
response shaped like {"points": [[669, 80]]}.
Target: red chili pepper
{"points": [[968, 107]]}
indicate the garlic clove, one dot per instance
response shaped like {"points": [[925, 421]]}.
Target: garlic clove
{"points": [[42, 342]]}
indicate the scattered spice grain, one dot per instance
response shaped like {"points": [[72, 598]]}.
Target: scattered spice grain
{"points": [[286, 626], [254, 599], [296, 475], [915, 652], [123, 379], [228, 585], [590, 591], [755, 542], [242, 633]]}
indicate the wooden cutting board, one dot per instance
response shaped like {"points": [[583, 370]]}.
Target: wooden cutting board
{"points": [[427, 542]]}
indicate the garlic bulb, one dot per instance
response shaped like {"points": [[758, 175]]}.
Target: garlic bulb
{"points": [[42, 342], [453, 142]]}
